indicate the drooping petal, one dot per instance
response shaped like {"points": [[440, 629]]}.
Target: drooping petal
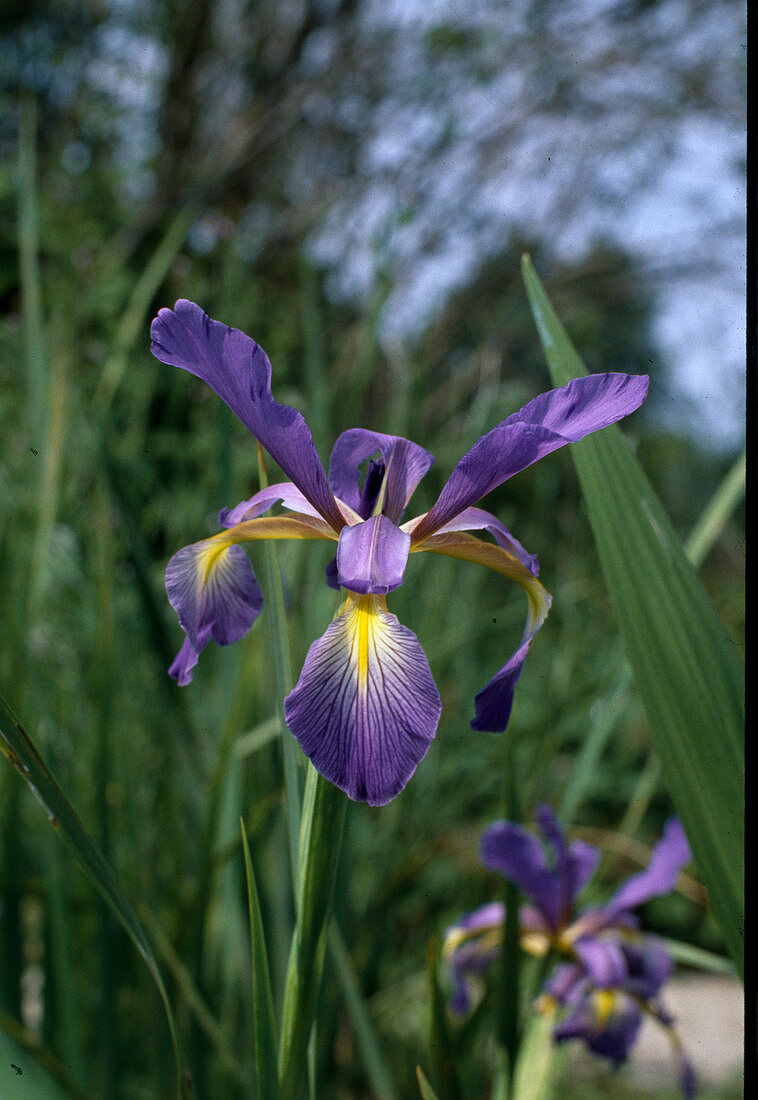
{"points": [[238, 370], [670, 855], [494, 702], [550, 421], [519, 855], [372, 556], [477, 519], [212, 588], [285, 492], [405, 463], [365, 708]]}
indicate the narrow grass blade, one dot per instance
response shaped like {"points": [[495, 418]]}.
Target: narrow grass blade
{"points": [[133, 322], [685, 667], [440, 1043], [321, 827], [540, 1062], [28, 1071], [263, 1001], [21, 753], [509, 991], [715, 516], [427, 1092], [28, 248], [377, 1070]]}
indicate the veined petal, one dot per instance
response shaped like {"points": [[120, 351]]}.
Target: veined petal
{"points": [[212, 588], [550, 421], [372, 556], [405, 463], [494, 702], [365, 708], [239, 371], [289, 495]]}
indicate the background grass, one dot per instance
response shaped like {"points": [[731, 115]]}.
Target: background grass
{"points": [[110, 462]]}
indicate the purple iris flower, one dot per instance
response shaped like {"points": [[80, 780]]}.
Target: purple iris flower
{"points": [[365, 708], [614, 973]]}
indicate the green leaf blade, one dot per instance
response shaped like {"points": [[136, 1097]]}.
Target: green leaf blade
{"points": [[685, 666], [265, 1023], [17, 747]]}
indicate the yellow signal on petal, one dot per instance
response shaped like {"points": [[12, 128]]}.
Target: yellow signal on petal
{"points": [[207, 559], [362, 621]]}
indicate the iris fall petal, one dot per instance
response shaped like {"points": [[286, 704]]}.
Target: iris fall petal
{"points": [[365, 708]]}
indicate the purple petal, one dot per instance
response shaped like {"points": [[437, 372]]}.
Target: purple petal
{"points": [[490, 915], [649, 966], [550, 421], [567, 983], [518, 854], [212, 588], [574, 864], [687, 1076], [183, 664], [285, 491], [372, 556], [603, 960], [238, 370], [365, 708], [493, 704], [607, 1022], [405, 464], [670, 855], [477, 519], [470, 948]]}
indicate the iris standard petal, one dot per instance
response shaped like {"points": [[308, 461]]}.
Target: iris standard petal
{"points": [[550, 421], [574, 863], [404, 462], [365, 708], [372, 556], [212, 588], [238, 370], [519, 855], [603, 960], [670, 855]]}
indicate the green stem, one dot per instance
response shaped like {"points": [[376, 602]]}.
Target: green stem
{"points": [[508, 1030], [321, 828]]}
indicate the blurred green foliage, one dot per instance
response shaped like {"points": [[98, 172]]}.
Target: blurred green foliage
{"points": [[97, 493]]}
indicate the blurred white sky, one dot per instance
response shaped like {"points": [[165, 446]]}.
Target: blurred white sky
{"points": [[633, 160]]}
